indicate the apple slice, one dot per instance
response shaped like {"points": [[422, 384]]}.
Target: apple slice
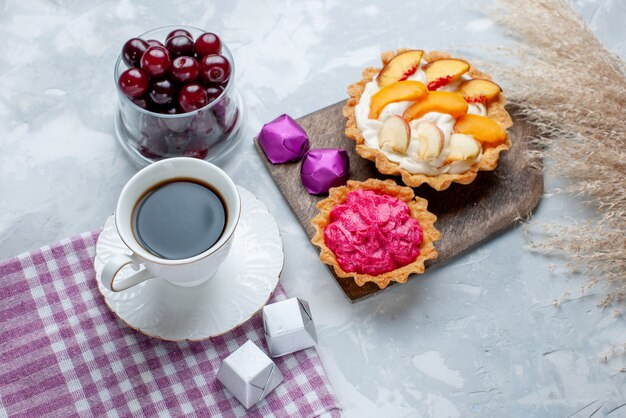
{"points": [[438, 101], [478, 90], [396, 92], [395, 134], [481, 128], [444, 71], [431, 140], [463, 148], [400, 67]]}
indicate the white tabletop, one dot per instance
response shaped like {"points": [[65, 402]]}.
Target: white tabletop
{"points": [[479, 336]]}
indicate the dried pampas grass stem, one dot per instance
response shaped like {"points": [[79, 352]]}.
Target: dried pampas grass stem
{"points": [[574, 90]]}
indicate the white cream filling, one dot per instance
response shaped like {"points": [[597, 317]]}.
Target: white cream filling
{"points": [[370, 129]]}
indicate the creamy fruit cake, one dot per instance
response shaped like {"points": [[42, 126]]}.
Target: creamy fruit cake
{"points": [[428, 118]]}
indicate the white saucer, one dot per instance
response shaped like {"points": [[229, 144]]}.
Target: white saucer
{"points": [[239, 289]]}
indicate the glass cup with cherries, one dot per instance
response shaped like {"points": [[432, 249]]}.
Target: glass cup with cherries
{"points": [[177, 96]]}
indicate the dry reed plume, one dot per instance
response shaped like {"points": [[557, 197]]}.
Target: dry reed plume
{"points": [[574, 90]]}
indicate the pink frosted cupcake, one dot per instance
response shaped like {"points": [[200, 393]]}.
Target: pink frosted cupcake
{"points": [[375, 231]]}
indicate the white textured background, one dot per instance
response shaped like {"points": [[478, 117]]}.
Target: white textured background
{"points": [[480, 336]]}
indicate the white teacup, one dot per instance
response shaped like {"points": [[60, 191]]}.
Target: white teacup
{"points": [[184, 272]]}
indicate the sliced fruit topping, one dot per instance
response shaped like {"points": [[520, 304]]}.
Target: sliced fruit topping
{"points": [[400, 67], [463, 148], [431, 140], [395, 135], [444, 71], [478, 90], [438, 101], [481, 128], [396, 92]]}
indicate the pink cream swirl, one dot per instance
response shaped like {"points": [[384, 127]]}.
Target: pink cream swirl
{"points": [[372, 233]]}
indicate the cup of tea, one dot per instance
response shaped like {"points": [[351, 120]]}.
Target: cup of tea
{"points": [[178, 217]]}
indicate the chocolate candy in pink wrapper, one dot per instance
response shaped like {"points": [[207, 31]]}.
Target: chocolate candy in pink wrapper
{"points": [[283, 140], [323, 168]]}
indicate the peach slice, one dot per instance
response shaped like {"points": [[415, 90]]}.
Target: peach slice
{"points": [[431, 140], [444, 71], [396, 92], [395, 134], [438, 101], [481, 128], [463, 148], [478, 90], [400, 67]]}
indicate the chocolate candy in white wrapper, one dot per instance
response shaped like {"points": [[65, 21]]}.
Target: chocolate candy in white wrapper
{"points": [[249, 374], [323, 168], [288, 327], [283, 140]]}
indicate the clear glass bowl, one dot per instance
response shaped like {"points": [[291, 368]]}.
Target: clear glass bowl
{"points": [[209, 133]]}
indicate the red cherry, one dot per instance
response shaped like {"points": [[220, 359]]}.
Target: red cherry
{"points": [[184, 70], [132, 51], [179, 46], [192, 97], [197, 148], [204, 124], [230, 127], [208, 44], [153, 148], [162, 92], [220, 110], [178, 32], [213, 92], [133, 83], [175, 126], [149, 126], [156, 61], [154, 42], [168, 110], [214, 69], [142, 102]]}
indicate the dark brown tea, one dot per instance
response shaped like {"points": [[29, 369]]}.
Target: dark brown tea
{"points": [[179, 219]]}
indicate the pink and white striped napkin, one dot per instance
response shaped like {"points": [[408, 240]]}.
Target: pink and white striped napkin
{"points": [[63, 353]]}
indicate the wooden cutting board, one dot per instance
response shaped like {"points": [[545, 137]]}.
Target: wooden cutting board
{"points": [[466, 215]]}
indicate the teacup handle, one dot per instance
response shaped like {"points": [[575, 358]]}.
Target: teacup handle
{"points": [[114, 265]]}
